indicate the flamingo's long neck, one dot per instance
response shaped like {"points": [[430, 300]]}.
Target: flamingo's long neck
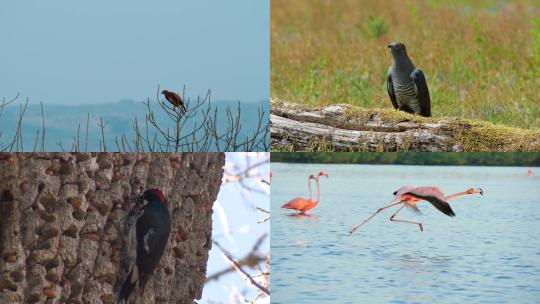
{"points": [[318, 191], [309, 187], [456, 195]]}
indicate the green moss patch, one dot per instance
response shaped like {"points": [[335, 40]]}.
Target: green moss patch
{"points": [[487, 137]]}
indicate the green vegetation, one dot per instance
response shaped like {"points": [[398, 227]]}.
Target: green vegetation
{"points": [[481, 58], [377, 27], [412, 158]]}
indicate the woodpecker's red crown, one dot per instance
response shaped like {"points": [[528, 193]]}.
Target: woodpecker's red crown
{"points": [[155, 194]]}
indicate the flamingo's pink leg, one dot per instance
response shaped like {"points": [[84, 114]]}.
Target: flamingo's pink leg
{"points": [[392, 218], [376, 212]]}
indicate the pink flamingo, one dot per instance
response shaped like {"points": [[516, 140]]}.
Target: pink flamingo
{"points": [[301, 204], [300, 201], [409, 196]]}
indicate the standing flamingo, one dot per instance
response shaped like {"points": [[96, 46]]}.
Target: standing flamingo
{"points": [[301, 204], [300, 201], [409, 196]]}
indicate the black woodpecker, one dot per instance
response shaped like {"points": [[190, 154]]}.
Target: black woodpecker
{"points": [[150, 236]]}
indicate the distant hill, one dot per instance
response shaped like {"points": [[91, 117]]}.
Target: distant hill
{"points": [[62, 122]]}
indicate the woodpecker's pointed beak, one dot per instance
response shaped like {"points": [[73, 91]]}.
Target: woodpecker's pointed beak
{"points": [[138, 200]]}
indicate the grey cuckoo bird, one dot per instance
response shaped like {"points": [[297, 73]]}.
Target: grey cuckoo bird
{"points": [[406, 83]]}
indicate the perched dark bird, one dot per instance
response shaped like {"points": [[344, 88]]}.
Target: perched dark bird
{"points": [[150, 236], [406, 83], [174, 99]]}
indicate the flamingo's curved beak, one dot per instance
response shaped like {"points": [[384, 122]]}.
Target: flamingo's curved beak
{"points": [[481, 191]]}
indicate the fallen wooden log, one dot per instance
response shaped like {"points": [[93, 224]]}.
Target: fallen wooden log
{"points": [[347, 128]]}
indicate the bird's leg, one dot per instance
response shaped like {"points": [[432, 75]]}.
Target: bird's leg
{"points": [[376, 212], [392, 218]]}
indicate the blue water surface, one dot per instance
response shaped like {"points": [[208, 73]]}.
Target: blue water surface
{"points": [[488, 253]]}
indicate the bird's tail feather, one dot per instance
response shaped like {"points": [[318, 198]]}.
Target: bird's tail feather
{"points": [[126, 290]]}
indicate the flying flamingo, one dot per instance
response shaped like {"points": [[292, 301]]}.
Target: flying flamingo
{"points": [[409, 196], [301, 204]]}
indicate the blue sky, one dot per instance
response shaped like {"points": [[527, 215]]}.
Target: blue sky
{"points": [[72, 52]]}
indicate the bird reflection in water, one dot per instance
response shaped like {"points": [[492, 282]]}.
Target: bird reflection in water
{"points": [[301, 216]]}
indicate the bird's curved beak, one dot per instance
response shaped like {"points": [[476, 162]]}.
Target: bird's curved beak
{"points": [[481, 191], [389, 46]]}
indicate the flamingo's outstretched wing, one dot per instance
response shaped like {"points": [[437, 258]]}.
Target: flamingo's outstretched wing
{"points": [[403, 190], [434, 196]]}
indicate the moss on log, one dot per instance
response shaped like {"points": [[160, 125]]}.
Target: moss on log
{"points": [[346, 128]]}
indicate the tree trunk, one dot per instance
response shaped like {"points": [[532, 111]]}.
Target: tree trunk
{"points": [[62, 218], [347, 128]]}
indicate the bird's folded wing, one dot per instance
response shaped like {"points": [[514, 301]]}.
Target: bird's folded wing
{"points": [[422, 92], [390, 88]]}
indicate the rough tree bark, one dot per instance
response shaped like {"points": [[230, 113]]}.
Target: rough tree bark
{"points": [[346, 128], [62, 217]]}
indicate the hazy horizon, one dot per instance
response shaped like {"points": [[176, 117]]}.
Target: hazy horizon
{"points": [[21, 100], [63, 120]]}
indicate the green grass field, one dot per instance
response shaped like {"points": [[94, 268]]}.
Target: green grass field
{"points": [[481, 58]]}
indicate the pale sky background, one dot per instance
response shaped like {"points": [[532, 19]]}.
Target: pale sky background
{"points": [[235, 227], [76, 52]]}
